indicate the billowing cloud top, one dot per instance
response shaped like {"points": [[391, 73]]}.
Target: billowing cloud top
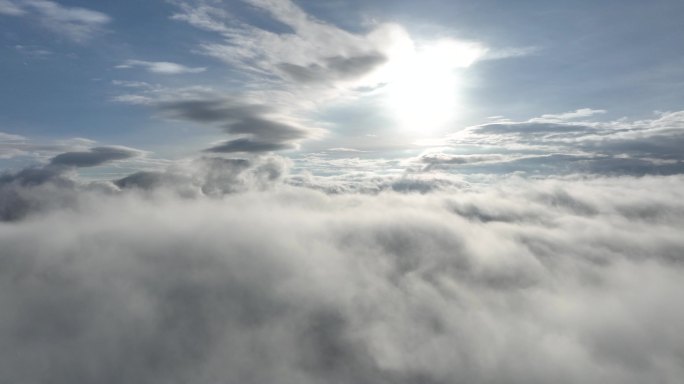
{"points": [[281, 283]]}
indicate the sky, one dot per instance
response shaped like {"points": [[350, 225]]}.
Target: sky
{"points": [[329, 80], [344, 191]]}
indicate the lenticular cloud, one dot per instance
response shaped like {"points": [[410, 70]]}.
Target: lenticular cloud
{"points": [[564, 281]]}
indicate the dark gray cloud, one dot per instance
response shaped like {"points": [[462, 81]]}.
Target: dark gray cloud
{"points": [[42, 188], [334, 68], [247, 145], [264, 133], [266, 130], [578, 274], [212, 110], [34, 190], [35, 176], [94, 156], [148, 180], [211, 176]]}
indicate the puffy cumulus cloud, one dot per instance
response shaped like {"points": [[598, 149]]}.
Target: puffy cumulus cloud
{"points": [[56, 185], [524, 281], [75, 23], [211, 176], [41, 188]]}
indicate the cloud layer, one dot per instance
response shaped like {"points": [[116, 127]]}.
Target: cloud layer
{"points": [[561, 144], [519, 282]]}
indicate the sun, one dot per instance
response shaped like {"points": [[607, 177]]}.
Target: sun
{"points": [[423, 83]]}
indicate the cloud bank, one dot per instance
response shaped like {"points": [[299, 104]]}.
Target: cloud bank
{"points": [[565, 144], [220, 272]]}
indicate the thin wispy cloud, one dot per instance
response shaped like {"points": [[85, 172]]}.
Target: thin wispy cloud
{"points": [[76, 23], [555, 143], [577, 114], [11, 8], [8, 137], [313, 53], [161, 67]]}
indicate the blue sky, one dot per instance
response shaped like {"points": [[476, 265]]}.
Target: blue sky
{"points": [[339, 79]]}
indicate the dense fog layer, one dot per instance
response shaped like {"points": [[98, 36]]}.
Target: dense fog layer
{"points": [[562, 280]]}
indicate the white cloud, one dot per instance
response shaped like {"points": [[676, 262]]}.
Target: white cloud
{"points": [[11, 8], [315, 53], [307, 66], [133, 84], [556, 143], [204, 16], [314, 59], [161, 67], [523, 281], [10, 137], [76, 23], [10, 145], [579, 113], [506, 53], [342, 149]]}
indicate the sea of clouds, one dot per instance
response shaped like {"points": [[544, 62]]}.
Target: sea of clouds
{"points": [[232, 271], [548, 250]]}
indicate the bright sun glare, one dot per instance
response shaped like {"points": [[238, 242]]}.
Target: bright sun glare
{"points": [[423, 83]]}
